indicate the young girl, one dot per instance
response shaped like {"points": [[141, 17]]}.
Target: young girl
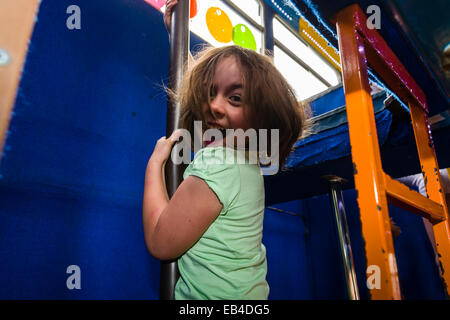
{"points": [[213, 223]]}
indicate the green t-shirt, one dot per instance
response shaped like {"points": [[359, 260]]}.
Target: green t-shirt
{"points": [[229, 261]]}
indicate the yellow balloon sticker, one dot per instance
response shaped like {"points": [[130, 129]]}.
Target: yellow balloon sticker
{"points": [[219, 24]]}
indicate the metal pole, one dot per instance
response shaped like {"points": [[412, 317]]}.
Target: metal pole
{"points": [[337, 202], [179, 49]]}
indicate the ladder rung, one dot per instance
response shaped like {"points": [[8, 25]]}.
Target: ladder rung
{"points": [[404, 197]]}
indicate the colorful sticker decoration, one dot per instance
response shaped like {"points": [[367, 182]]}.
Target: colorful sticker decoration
{"points": [[219, 24], [242, 36], [193, 9], [158, 4], [221, 28]]}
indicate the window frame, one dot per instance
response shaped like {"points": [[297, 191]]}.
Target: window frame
{"points": [[275, 42], [297, 59], [261, 27]]}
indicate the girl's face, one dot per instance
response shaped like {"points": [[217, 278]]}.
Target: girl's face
{"points": [[226, 109]]}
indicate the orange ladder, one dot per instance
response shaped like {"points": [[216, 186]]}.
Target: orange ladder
{"points": [[359, 45]]}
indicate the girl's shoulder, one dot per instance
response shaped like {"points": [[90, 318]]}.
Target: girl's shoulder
{"points": [[224, 163], [224, 156], [217, 168], [224, 159]]}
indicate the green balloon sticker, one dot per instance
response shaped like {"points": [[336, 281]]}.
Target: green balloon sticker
{"points": [[242, 36]]}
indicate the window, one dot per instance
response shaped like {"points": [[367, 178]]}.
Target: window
{"points": [[305, 70], [301, 80], [226, 22], [251, 7], [244, 18]]}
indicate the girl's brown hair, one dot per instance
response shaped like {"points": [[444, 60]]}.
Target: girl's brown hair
{"points": [[268, 100]]}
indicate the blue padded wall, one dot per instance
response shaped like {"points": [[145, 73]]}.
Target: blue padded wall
{"points": [[89, 110], [88, 113], [418, 273], [285, 237]]}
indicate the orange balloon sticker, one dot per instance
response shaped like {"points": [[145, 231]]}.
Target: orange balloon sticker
{"points": [[219, 24]]}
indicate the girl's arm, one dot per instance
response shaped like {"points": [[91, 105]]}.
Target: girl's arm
{"points": [[172, 226]]}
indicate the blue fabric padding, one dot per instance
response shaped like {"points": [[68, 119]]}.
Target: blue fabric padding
{"points": [[332, 140], [88, 113], [415, 258], [286, 240], [320, 274], [330, 101], [418, 274], [326, 269], [44, 232], [338, 115]]}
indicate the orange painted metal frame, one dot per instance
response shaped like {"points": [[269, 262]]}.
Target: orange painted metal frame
{"points": [[358, 46]]}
